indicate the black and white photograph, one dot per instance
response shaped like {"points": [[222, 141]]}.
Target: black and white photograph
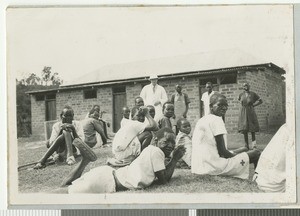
{"points": [[151, 105]]}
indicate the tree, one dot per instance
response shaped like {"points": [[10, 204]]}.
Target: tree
{"points": [[48, 76], [30, 83]]}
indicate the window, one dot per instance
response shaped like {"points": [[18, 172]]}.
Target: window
{"points": [[228, 79], [91, 93], [51, 97], [119, 89], [204, 80], [39, 97]]}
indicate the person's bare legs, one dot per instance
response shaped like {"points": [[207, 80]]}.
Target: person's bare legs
{"points": [[145, 139], [253, 140], [69, 147], [87, 156], [56, 144], [246, 139], [240, 150], [76, 172], [254, 156]]}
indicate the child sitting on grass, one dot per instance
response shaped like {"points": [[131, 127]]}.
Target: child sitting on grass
{"points": [[134, 136], [62, 135], [184, 138], [168, 112], [141, 173], [210, 154], [125, 114]]}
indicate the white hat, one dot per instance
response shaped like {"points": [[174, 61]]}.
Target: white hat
{"points": [[153, 77]]}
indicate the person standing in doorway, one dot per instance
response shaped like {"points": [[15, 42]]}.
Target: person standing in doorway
{"points": [[181, 105], [155, 95], [247, 118], [206, 96]]}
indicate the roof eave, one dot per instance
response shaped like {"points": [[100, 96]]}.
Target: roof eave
{"points": [[162, 77]]}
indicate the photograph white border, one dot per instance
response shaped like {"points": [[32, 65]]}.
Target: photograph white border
{"points": [[170, 199]]}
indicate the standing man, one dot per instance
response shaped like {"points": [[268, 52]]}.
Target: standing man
{"points": [[181, 104], [206, 96], [155, 95]]}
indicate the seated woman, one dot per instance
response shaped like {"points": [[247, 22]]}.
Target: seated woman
{"points": [[62, 136], [209, 145]]}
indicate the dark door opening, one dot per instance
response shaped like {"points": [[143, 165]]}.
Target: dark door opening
{"points": [[119, 101]]}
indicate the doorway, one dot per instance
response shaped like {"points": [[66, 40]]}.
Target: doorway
{"points": [[119, 101]]}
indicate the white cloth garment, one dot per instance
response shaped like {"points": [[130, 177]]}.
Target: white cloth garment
{"points": [[271, 168], [205, 156], [150, 97], [141, 172], [57, 127], [205, 99], [125, 144]]}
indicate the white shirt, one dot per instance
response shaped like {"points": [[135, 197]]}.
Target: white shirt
{"points": [[141, 172], [271, 167], [205, 98], [126, 134], [57, 127], [124, 121], [151, 97]]}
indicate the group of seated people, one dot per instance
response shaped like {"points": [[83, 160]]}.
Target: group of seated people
{"points": [[149, 150]]}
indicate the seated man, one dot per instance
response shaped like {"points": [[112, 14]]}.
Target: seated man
{"points": [[91, 127], [134, 136], [270, 174], [209, 145], [62, 135], [104, 124], [141, 173]]}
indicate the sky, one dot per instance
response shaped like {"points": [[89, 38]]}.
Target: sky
{"points": [[76, 41]]}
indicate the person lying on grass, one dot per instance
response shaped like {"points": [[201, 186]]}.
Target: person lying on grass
{"points": [[134, 136], [92, 126], [62, 135], [209, 145], [141, 173]]}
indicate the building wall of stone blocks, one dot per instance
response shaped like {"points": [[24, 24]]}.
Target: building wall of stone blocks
{"points": [[266, 84], [190, 86], [38, 118], [132, 91]]}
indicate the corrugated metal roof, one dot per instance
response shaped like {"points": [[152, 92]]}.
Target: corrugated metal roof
{"points": [[170, 65], [222, 61]]}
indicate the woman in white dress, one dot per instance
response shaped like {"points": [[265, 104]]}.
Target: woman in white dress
{"points": [[209, 145]]}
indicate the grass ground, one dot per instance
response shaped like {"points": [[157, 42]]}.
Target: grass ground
{"points": [[183, 181]]}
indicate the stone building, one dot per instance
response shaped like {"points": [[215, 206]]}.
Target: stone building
{"points": [[115, 86]]}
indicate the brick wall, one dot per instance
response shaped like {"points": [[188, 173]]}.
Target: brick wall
{"points": [[266, 84], [37, 118]]}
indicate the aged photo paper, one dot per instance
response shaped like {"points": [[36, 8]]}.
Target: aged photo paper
{"points": [[105, 55]]}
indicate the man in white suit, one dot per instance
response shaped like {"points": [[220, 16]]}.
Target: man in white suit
{"points": [[155, 95]]}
